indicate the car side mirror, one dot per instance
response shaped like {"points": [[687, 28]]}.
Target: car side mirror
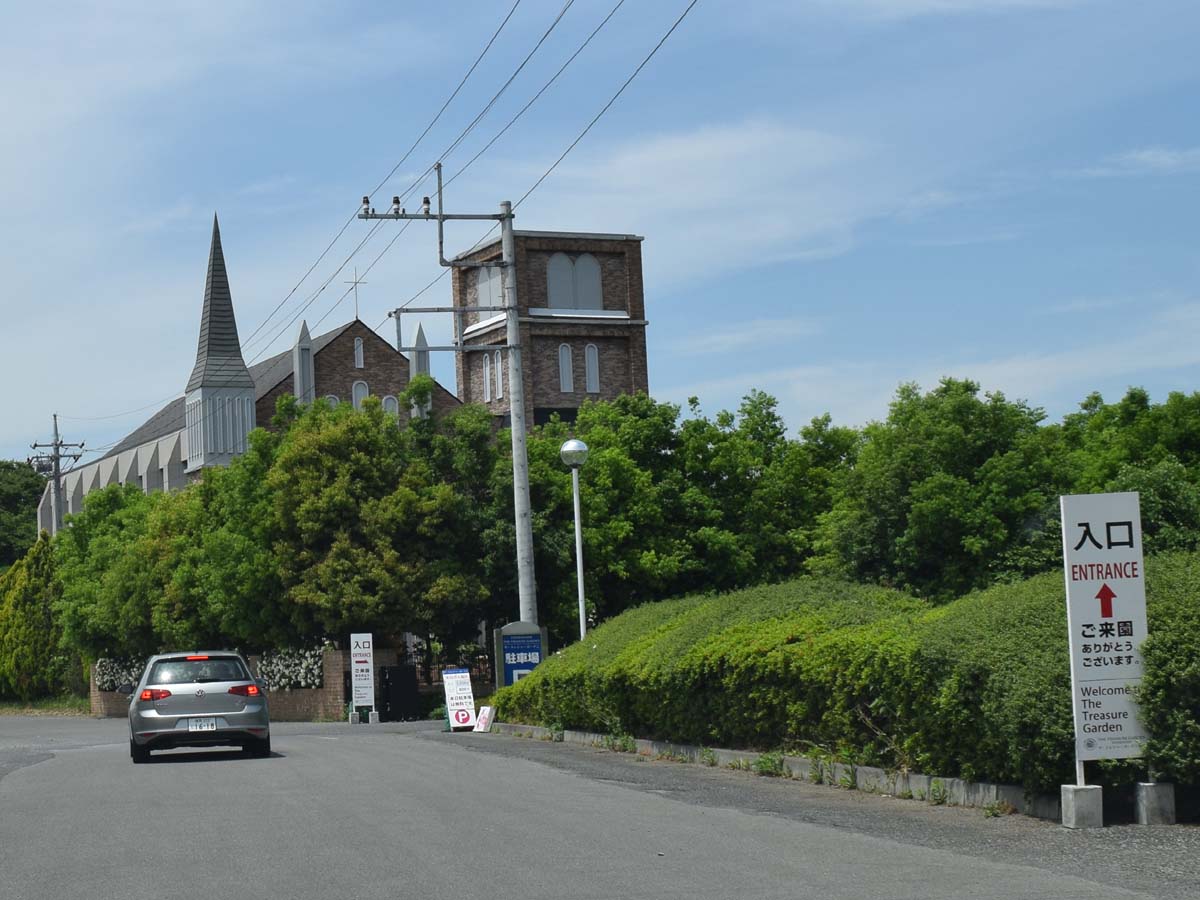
{"points": [[125, 688], [263, 683]]}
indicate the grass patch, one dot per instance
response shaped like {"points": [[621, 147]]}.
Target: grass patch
{"points": [[69, 705]]}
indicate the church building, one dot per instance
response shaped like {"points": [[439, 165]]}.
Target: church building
{"points": [[582, 325]]}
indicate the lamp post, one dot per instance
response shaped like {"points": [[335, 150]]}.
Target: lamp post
{"points": [[575, 453]]}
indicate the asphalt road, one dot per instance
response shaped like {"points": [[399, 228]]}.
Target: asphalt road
{"points": [[405, 811]]}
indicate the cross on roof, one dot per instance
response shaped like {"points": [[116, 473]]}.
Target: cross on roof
{"points": [[356, 282]]}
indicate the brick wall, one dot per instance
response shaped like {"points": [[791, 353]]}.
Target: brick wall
{"points": [[384, 370], [621, 344]]}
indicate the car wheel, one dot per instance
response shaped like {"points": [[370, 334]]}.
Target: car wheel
{"points": [[260, 747], [138, 754]]}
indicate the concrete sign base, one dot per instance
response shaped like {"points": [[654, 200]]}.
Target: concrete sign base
{"points": [[1155, 804], [1082, 807]]}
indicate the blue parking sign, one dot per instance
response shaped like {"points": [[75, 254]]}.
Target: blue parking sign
{"points": [[522, 652]]}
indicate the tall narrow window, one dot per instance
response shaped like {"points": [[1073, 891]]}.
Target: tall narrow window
{"points": [[391, 406], [359, 393], [591, 361], [358, 353], [499, 377], [560, 282], [587, 283], [566, 369], [487, 378], [331, 399]]}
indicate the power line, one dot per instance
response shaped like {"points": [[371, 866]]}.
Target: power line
{"points": [[425, 175], [573, 143], [250, 338], [403, 159], [609, 104]]}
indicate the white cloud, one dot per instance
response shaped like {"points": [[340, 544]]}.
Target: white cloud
{"points": [[731, 195], [757, 332], [1146, 161], [907, 9], [856, 391]]}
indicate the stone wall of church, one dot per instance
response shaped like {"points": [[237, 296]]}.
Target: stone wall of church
{"points": [[384, 370]]}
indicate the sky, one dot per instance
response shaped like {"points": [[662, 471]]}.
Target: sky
{"points": [[837, 196]]}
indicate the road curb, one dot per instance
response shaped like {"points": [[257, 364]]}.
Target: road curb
{"points": [[930, 789]]}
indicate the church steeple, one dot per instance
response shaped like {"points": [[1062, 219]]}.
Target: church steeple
{"points": [[219, 400], [219, 361]]}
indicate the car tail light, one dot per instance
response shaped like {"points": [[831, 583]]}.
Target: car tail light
{"points": [[196, 657], [155, 694], [245, 690]]}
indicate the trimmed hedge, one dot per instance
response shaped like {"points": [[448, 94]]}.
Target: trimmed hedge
{"points": [[979, 688]]}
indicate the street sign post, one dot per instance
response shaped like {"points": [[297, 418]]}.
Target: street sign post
{"points": [[460, 699], [1106, 618], [520, 646], [362, 671]]}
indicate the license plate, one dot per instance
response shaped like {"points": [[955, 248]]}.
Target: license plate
{"points": [[202, 724]]}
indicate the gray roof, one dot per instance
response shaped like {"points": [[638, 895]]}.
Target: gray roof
{"points": [[219, 360], [166, 421], [266, 375]]}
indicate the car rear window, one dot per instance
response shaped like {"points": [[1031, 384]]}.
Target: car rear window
{"points": [[186, 671]]}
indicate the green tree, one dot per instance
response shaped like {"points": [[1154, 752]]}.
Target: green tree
{"points": [[943, 489], [20, 491], [105, 606], [31, 663]]}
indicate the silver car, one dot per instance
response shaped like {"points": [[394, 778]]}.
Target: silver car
{"points": [[197, 699]]}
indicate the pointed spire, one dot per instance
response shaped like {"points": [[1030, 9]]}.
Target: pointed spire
{"points": [[420, 354], [219, 361], [302, 366]]}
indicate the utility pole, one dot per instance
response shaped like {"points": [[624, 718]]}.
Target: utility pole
{"points": [[526, 585], [50, 464]]}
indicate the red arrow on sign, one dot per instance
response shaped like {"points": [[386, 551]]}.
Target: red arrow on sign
{"points": [[1105, 597]]}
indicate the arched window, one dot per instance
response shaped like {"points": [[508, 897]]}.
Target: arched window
{"points": [[591, 364], [359, 393], [358, 353], [331, 399], [587, 283], [566, 369], [487, 378], [560, 282], [499, 376], [391, 406], [491, 288]]}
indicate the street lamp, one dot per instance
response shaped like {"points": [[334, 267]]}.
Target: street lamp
{"points": [[575, 453]]}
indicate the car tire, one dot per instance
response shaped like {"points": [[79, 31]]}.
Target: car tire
{"points": [[138, 754], [260, 748]]}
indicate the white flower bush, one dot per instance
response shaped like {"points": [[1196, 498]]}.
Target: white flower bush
{"points": [[287, 669], [112, 672]]}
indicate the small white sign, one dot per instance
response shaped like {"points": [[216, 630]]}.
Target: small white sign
{"points": [[362, 670], [460, 699], [485, 719], [1106, 617]]}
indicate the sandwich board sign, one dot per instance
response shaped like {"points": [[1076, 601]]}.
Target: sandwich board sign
{"points": [[362, 670], [460, 699], [1106, 617]]}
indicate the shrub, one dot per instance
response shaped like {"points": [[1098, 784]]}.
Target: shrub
{"points": [[287, 669], [111, 672], [979, 688]]}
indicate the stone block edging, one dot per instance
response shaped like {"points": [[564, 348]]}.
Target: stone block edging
{"points": [[930, 789]]}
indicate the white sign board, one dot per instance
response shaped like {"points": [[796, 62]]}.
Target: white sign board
{"points": [[1106, 617], [485, 719], [460, 700], [362, 670]]}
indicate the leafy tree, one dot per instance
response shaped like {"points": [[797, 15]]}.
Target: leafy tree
{"points": [[31, 664], [20, 491], [105, 604], [940, 491]]}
